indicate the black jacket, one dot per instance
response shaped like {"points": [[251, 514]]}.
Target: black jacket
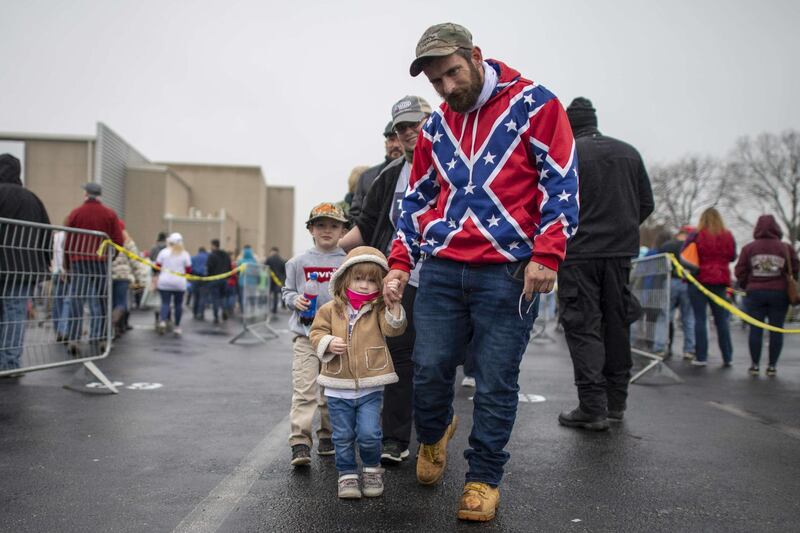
{"points": [[219, 262], [277, 264], [365, 181], [373, 221], [24, 250], [615, 198]]}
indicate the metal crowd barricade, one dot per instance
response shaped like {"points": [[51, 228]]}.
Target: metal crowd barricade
{"points": [[650, 284], [55, 298], [254, 292]]}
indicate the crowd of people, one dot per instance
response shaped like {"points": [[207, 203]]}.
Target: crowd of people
{"points": [[228, 286], [64, 269], [475, 212]]}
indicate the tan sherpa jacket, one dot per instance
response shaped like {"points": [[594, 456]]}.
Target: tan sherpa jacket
{"points": [[367, 361]]}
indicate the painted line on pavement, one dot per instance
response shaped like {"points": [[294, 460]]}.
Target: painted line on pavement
{"points": [[789, 431], [210, 513]]}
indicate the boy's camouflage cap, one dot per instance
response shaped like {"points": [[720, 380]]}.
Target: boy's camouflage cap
{"points": [[326, 210]]}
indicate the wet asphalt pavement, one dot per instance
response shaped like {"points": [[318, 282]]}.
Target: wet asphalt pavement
{"points": [[207, 450]]}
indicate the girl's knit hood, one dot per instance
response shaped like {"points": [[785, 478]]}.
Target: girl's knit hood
{"points": [[361, 254]]}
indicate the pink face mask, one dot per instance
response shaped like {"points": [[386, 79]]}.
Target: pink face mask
{"points": [[357, 299]]}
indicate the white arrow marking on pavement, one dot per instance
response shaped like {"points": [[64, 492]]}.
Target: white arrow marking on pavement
{"points": [[98, 385], [144, 386]]}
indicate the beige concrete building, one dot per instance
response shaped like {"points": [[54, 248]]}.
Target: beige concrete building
{"points": [[228, 202]]}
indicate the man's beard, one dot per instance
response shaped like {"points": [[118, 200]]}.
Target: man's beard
{"points": [[464, 100]]}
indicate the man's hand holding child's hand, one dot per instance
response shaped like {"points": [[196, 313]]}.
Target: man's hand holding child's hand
{"points": [[392, 304], [337, 346]]}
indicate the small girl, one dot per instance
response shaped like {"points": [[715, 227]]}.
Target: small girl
{"points": [[348, 335]]}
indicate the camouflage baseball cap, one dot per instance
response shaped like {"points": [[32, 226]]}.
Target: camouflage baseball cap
{"points": [[410, 109], [439, 41], [326, 210]]}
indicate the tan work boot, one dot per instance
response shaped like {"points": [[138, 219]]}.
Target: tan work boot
{"points": [[432, 458], [479, 502]]}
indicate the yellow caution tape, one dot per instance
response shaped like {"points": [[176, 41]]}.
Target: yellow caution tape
{"points": [[685, 274], [275, 278], [189, 277]]}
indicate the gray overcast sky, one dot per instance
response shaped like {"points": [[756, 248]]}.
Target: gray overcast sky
{"points": [[304, 88]]}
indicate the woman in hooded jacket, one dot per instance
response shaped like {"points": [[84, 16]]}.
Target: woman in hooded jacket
{"points": [[716, 248], [762, 272]]}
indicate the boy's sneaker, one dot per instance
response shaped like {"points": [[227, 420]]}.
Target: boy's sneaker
{"points": [[688, 356], [753, 370], [468, 381], [301, 455], [727, 364], [432, 458], [162, 327], [372, 481], [393, 452], [771, 371], [695, 362], [615, 416], [348, 487], [177, 330], [325, 447]]}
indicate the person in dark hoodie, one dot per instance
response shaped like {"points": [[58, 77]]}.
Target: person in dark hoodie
{"points": [[595, 302], [761, 272], [219, 262], [24, 252]]}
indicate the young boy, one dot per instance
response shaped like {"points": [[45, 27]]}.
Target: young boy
{"points": [[326, 225]]}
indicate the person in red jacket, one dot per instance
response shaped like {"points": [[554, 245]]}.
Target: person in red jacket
{"points": [[89, 271], [716, 249], [761, 272]]}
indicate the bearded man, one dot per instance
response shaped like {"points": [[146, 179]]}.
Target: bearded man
{"points": [[491, 202]]}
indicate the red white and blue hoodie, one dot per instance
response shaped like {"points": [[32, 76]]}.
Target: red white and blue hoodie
{"points": [[498, 184]]}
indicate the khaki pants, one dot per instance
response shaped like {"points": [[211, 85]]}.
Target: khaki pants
{"points": [[307, 396]]}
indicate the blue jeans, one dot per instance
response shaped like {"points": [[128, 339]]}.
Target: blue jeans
{"points": [[60, 291], [216, 291], [177, 298], [199, 290], [88, 282], [68, 319], [13, 318], [119, 294], [721, 319], [459, 305], [771, 305], [356, 422], [678, 299]]}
